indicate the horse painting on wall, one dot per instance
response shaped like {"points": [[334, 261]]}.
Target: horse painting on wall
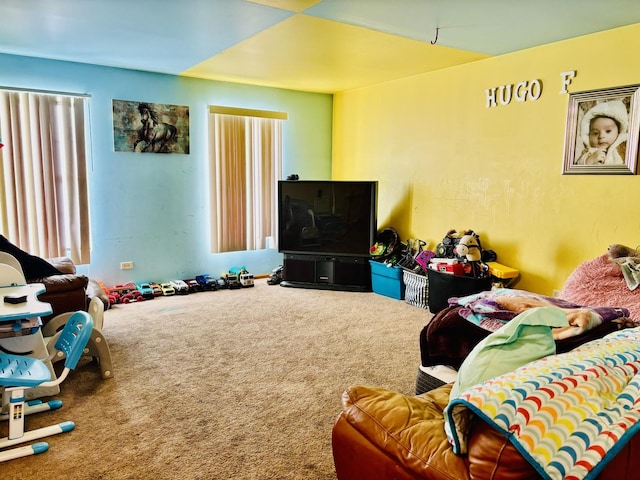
{"points": [[150, 127]]}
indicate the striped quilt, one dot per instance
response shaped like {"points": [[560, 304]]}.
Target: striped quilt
{"points": [[567, 414]]}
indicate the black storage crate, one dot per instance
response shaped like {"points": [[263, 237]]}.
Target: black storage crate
{"points": [[442, 286]]}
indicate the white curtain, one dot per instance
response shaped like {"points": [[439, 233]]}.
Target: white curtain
{"points": [[44, 189]]}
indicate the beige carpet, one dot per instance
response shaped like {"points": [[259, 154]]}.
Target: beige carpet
{"points": [[233, 384]]}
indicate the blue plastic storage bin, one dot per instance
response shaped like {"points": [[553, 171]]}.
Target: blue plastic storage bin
{"points": [[386, 280]]}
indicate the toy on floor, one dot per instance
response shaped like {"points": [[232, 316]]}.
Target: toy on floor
{"points": [[193, 285], [275, 277], [146, 291], [157, 291], [131, 296], [247, 280], [167, 289], [116, 293], [231, 280], [244, 277], [114, 297], [208, 282], [180, 287]]}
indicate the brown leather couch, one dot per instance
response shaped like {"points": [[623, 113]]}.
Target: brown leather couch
{"points": [[68, 291], [384, 435]]}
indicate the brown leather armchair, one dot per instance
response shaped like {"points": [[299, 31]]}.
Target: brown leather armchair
{"points": [[382, 435], [65, 292], [68, 291]]}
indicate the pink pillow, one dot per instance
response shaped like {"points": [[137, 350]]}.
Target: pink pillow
{"points": [[599, 283]]}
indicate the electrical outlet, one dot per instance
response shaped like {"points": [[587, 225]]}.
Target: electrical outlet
{"points": [[126, 265]]}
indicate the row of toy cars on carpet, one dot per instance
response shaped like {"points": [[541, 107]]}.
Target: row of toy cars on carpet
{"points": [[237, 277]]}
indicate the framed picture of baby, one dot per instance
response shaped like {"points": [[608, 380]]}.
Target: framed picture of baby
{"points": [[602, 131]]}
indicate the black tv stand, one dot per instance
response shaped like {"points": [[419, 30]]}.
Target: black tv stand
{"points": [[326, 272]]}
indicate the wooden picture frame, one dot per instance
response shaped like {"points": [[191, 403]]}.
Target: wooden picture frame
{"points": [[602, 130]]}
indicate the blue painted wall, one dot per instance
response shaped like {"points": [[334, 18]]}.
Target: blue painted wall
{"points": [[152, 209]]}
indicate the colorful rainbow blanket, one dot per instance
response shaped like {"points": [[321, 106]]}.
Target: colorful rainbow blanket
{"points": [[567, 414]]}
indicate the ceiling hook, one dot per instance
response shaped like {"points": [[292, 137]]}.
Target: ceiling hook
{"points": [[433, 42]]}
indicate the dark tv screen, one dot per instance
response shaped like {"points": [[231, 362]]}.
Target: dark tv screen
{"points": [[327, 217]]}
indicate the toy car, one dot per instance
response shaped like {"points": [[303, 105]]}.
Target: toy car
{"points": [[114, 298], [180, 287], [275, 277], [231, 280], [167, 289], [157, 291], [146, 291], [193, 285], [244, 277], [131, 296], [123, 288], [207, 282]]}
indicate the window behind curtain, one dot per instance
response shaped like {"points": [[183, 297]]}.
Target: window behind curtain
{"points": [[245, 164], [43, 167]]}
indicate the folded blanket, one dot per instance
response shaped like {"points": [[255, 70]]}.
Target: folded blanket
{"points": [[492, 309], [567, 414], [524, 339]]}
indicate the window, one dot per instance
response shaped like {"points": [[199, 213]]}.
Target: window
{"points": [[245, 165], [44, 192]]}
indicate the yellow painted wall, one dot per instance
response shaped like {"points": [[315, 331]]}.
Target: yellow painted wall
{"points": [[443, 160]]}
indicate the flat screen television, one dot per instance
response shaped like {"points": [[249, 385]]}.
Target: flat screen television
{"points": [[324, 217]]}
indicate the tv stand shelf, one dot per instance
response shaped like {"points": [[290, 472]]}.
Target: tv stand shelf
{"points": [[327, 272]]}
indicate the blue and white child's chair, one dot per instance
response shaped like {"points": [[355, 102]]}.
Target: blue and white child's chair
{"points": [[19, 373]]}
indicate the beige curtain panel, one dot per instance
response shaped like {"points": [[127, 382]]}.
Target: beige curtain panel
{"points": [[43, 193], [245, 165]]}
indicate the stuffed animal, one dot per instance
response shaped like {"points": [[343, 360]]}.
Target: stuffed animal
{"points": [[629, 261], [469, 247], [616, 251], [623, 255], [447, 247]]}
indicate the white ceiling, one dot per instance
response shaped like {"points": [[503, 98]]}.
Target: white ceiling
{"points": [[312, 45]]}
